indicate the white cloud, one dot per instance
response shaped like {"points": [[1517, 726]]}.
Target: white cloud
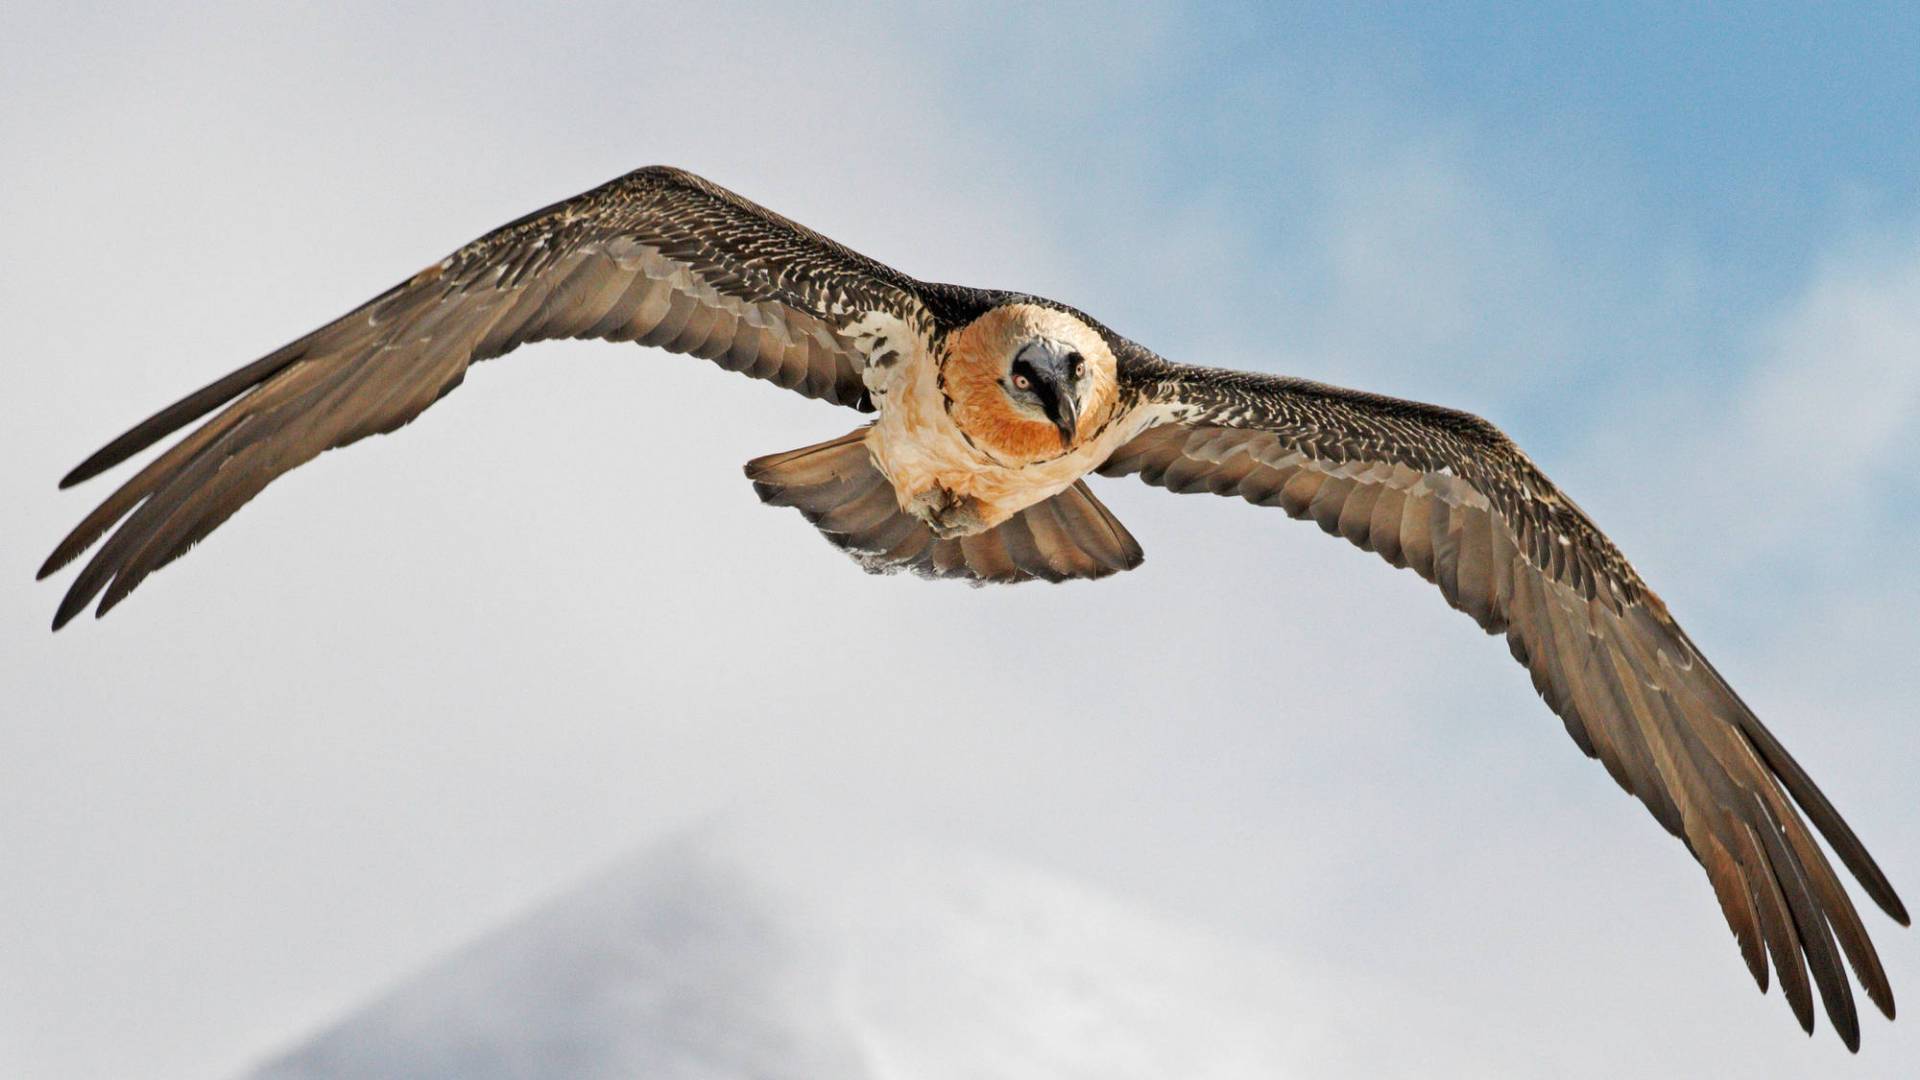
{"points": [[1791, 463], [1834, 403]]}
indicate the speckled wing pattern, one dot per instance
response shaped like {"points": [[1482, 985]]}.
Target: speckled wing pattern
{"points": [[659, 257], [1447, 494]]}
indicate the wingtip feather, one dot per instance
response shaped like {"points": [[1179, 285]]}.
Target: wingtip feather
{"points": [[70, 605], [1895, 909]]}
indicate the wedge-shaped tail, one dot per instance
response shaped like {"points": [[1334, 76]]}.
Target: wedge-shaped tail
{"points": [[835, 486]]}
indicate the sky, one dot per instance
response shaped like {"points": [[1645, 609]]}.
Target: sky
{"points": [[423, 683]]}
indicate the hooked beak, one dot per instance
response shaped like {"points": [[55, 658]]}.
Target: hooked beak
{"points": [[1065, 415], [1053, 383]]}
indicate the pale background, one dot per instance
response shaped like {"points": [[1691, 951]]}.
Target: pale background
{"points": [[422, 684]]}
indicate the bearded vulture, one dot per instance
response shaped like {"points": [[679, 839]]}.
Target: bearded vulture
{"points": [[992, 407]]}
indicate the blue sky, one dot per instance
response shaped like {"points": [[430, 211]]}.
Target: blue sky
{"points": [[1749, 129], [1735, 143], [425, 682]]}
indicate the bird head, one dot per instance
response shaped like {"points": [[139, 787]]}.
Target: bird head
{"points": [[1028, 381], [1044, 381]]}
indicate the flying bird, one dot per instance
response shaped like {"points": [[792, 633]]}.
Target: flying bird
{"points": [[990, 410]]}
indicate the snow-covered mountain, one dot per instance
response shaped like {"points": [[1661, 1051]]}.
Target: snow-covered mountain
{"points": [[744, 954]]}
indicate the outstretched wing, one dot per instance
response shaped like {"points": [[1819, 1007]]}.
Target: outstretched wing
{"points": [[1448, 495], [658, 256]]}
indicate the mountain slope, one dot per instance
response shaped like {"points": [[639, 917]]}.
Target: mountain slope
{"points": [[731, 954]]}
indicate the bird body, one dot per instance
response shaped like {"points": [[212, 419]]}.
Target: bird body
{"points": [[958, 453], [993, 409]]}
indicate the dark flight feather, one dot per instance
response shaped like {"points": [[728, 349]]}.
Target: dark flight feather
{"points": [[658, 256], [1445, 493]]}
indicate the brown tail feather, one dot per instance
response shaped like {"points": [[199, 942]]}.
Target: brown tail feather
{"points": [[835, 486]]}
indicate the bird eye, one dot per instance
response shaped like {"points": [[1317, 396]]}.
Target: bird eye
{"points": [[1079, 364], [1023, 382]]}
